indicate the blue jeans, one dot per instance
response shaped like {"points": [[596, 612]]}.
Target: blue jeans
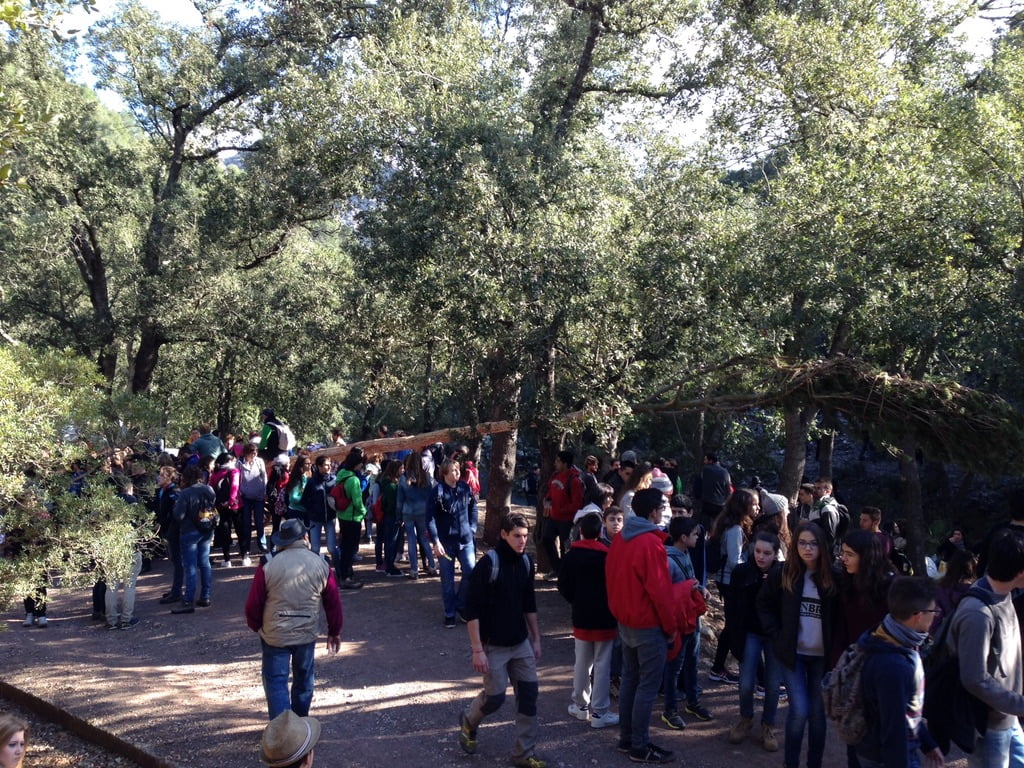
{"points": [[455, 602], [315, 535], [195, 557], [755, 647], [174, 555], [999, 749], [806, 710], [416, 532], [670, 681], [276, 662], [691, 657], [392, 531], [252, 522], [643, 664]]}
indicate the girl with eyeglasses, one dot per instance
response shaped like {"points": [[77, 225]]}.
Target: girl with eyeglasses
{"points": [[796, 607]]}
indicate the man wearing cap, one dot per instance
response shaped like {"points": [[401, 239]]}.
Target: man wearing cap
{"points": [[284, 608], [288, 741]]}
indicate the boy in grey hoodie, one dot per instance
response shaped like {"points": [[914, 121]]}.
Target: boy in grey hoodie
{"points": [[986, 637]]}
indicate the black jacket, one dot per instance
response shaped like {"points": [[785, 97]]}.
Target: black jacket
{"points": [[581, 581], [778, 610]]}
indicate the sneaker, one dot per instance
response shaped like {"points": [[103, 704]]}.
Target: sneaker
{"points": [[246, 561], [650, 754], [101, 616], [351, 584], [433, 572], [768, 739], [115, 625], [723, 676], [580, 713], [699, 712], [411, 575], [449, 622], [30, 619], [783, 696], [625, 746], [531, 761], [739, 732], [225, 563], [130, 624], [168, 599], [603, 721], [41, 621], [462, 619], [203, 602], [673, 720], [184, 608], [550, 576], [759, 693], [380, 569], [393, 573], [467, 735]]}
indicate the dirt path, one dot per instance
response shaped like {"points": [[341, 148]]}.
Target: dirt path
{"points": [[187, 688]]}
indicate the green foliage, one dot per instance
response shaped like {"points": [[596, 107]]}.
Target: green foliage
{"points": [[47, 531]]}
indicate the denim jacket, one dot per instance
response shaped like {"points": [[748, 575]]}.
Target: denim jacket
{"points": [[451, 515]]}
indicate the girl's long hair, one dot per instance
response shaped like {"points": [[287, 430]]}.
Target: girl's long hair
{"points": [[10, 725], [739, 510], [414, 472], [870, 582], [793, 574]]}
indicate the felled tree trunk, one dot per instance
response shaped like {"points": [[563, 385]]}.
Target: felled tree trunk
{"points": [[913, 509]]}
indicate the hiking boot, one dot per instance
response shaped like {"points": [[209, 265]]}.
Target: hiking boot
{"points": [[699, 712], [184, 608], [672, 719], [650, 754], [467, 735], [768, 740], [530, 761], [741, 730]]}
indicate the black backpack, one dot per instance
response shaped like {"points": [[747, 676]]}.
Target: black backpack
{"points": [[223, 491]]}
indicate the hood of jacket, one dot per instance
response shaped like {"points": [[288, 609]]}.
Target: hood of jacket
{"points": [[636, 525]]}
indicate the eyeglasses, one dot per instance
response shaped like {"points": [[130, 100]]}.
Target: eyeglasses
{"points": [[807, 544], [936, 611]]}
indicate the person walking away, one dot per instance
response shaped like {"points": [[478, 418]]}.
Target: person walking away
{"points": [[501, 621], [561, 503], [194, 543], [581, 581], [414, 494], [283, 606]]}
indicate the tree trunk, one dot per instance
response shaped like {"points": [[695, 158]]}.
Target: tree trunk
{"points": [[500, 478], [826, 444], [428, 386], [913, 509], [146, 356], [797, 423]]}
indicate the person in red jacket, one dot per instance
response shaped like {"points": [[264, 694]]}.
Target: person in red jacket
{"points": [[640, 598], [561, 503]]}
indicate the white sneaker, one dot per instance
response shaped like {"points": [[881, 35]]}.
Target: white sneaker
{"points": [[578, 713], [603, 721], [29, 619], [40, 621], [247, 561], [225, 563]]}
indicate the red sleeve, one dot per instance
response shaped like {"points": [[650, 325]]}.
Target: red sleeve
{"points": [[256, 600], [576, 490], [658, 584], [234, 500], [332, 605]]}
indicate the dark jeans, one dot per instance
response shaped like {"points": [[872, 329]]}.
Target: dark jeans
{"points": [[276, 663], [688, 673], [806, 710], [230, 519], [725, 639], [252, 521], [174, 555], [643, 665], [556, 530], [350, 533], [392, 533]]}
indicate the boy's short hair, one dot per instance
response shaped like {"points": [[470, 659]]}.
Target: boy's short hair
{"points": [[590, 526], [910, 594], [613, 510], [510, 522], [873, 512], [680, 527], [680, 501], [1006, 556], [807, 488]]}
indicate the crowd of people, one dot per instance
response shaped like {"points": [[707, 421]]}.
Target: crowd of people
{"points": [[635, 553]]}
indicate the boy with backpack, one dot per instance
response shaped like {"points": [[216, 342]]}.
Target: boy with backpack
{"points": [[892, 680], [581, 581], [501, 619]]}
